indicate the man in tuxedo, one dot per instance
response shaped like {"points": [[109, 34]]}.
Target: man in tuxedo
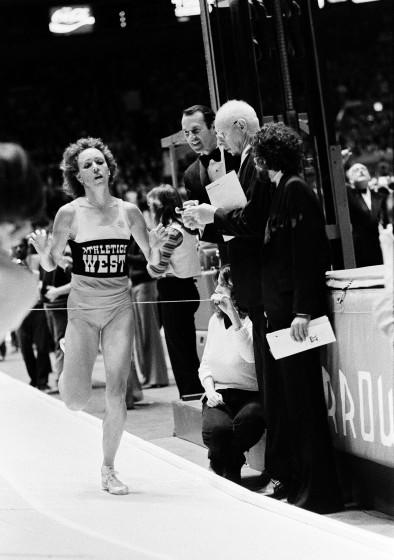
{"points": [[364, 209], [198, 128], [236, 123], [299, 454]]}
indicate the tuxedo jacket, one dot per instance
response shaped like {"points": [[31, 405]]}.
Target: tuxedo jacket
{"points": [[247, 225], [295, 254], [196, 178], [365, 227]]}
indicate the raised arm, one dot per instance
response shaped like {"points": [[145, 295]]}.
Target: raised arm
{"points": [[204, 371], [138, 228], [160, 259], [50, 248]]}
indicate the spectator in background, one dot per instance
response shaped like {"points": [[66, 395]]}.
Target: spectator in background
{"points": [[14, 341], [384, 307], [56, 286], [148, 354], [364, 209], [21, 199], [299, 455], [232, 415], [175, 266], [33, 333], [3, 350], [148, 348]]}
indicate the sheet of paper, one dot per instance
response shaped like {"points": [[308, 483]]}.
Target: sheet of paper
{"points": [[227, 193], [282, 345]]}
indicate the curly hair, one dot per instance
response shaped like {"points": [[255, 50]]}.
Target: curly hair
{"points": [[278, 147], [21, 190], [69, 164]]}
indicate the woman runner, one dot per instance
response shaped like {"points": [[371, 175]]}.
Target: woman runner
{"points": [[97, 227]]}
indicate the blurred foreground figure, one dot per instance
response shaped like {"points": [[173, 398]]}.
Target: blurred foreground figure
{"points": [[21, 198]]}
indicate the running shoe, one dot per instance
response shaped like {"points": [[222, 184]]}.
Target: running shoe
{"points": [[111, 483]]}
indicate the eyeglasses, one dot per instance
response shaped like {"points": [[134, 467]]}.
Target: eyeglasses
{"points": [[221, 134]]}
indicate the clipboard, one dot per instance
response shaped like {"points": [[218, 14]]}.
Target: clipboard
{"points": [[282, 345]]}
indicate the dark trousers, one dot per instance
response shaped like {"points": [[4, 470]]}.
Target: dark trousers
{"points": [[298, 448], [231, 429], [57, 323], [180, 331], [34, 331], [3, 349], [257, 316]]}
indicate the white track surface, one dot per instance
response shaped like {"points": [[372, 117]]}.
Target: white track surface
{"points": [[176, 510]]}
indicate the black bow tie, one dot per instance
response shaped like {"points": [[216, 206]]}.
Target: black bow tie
{"points": [[363, 191], [206, 158]]}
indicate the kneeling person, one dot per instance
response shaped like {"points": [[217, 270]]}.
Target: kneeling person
{"points": [[232, 415]]}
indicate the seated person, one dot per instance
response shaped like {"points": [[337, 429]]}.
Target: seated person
{"points": [[232, 415]]}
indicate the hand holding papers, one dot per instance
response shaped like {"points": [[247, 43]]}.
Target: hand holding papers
{"points": [[226, 192], [282, 345], [197, 216]]}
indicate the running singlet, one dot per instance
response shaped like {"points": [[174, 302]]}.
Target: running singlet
{"points": [[99, 251]]}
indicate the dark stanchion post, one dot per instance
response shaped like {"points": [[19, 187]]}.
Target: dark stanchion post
{"points": [[342, 207], [209, 55], [328, 155], [291, 114]]}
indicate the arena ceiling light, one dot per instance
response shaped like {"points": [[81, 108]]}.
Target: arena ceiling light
{"points": [[66, 20], [187, 8], [322, 3]]}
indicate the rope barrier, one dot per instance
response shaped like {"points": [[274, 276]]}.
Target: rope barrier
{"points": [[111, 306]]}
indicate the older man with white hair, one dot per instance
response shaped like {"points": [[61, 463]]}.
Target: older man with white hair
{"points": [[364, 208], [236, 123]]}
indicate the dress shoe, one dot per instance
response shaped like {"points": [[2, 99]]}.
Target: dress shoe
{"points": [[217, 467], [275, 489], [233, 474]]}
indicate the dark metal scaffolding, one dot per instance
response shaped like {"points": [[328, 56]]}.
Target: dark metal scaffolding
{"points": [[238, 41]]}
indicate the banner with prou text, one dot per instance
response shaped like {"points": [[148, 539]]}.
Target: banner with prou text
{"points": [[358, 375]]}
